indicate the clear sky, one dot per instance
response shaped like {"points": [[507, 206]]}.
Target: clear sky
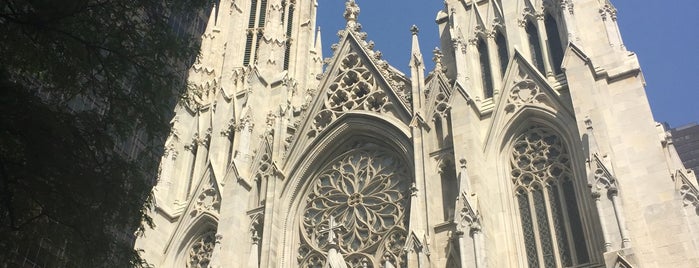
{"points": [[662, 33]]}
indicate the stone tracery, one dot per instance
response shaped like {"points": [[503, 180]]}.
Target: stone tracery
{"points": [[200, 251], [367, 192], [543, 179], [354, 88]]}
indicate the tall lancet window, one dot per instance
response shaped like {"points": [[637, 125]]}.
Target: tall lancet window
{"points": [[256, 21], [366, 191], [486, 74], [503, 55], [545, 195], [535, 47], [554, 42], [289, 28]]}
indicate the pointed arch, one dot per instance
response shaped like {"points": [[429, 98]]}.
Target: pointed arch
{"points": [[450, 186], [289, 28], [546, 191], [348, 142], [535, 49], [196, 244], [486, 71], [555, 44], [503, 52]]}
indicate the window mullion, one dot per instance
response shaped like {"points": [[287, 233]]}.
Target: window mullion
{"points": [[535, 227], [551, 222], [569, 232]]}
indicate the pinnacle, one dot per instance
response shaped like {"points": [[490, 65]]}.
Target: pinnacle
{"points": [[351, 13]]}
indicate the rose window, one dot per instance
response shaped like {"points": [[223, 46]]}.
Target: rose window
{"points": [[366, 191]]}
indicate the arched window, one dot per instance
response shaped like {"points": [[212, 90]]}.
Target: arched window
{"points": [[289, 28], [200, 250], [486, 74], [535, 47], [554, 42], [545, 195], [365, 195], [256, 20], [503, 55], [450, 188]]}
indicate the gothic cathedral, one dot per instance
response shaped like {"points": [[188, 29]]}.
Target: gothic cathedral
{"points": [[530, 144]]}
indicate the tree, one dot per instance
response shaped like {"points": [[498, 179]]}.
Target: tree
{"points": [[78, 79]]}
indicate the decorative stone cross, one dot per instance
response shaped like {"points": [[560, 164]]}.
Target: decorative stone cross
{"points": [[332, 226]]}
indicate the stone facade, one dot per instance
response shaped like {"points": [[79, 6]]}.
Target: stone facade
{"points": [[530, 144]]}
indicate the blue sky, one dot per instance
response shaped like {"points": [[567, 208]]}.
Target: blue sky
{"points": [[662, 40]]}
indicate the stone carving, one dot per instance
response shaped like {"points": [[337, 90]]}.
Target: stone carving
{"points": [[441, 104], [603, 179], [608, 11], [201, 249], [207, 201], [437, 59], [354, 89], [469, 218], [543, 181], [351, 14], [525, 91], [689, 193], [367, 192]]}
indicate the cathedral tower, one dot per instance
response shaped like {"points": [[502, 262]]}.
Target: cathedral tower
{"points": [[530, 144]]}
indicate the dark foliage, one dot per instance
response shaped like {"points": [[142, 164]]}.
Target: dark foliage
{"points": [[78, 78]]}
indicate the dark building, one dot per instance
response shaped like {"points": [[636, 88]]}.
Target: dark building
{"points": [[686, 140]]}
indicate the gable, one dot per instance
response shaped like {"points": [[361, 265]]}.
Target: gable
{"points": [[204, 206], [525, 90], [439, 96], [356, 82]]}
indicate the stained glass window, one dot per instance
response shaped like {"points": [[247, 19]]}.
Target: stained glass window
{"points": [[366, 191], [543, 180]]}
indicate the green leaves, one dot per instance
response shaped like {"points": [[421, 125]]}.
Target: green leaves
{"points": [[87, 88]]}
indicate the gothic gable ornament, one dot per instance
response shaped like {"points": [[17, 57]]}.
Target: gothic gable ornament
{"points": [[438, 95], [525, 89], [354, 83]]}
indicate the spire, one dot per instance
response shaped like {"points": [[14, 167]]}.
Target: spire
{"points": [[317, 67], [351, 14], [212, 19], [416, 55], [417, 71], [210, 32], [318, 46]]}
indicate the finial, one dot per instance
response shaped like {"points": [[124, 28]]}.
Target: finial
{"points": [[351, 13], [414, 29], [437, 58]]}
